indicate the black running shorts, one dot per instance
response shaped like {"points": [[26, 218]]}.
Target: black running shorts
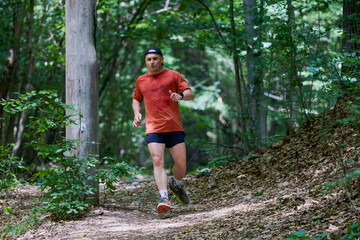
{"points": [[169, 138]]}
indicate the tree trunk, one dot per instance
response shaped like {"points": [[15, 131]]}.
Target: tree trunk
{"points": [[256, 85], [351, 40], [292, 72], [81, 78], [351, 25], [241, 120]]}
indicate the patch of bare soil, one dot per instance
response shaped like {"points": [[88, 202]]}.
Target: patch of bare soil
{"points": [[266, 196]]}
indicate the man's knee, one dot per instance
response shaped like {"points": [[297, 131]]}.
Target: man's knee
{"points": [[158, 161], [180, 164]]}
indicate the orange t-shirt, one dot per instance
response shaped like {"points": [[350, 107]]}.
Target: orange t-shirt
{"points": [[162, 114]]}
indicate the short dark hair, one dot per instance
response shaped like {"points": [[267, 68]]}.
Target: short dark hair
{"points": [[153, 50]]}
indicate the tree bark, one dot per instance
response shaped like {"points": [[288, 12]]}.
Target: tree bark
{"points": [[351, 25], [256, 85], [241, 120], [351, 40], [292, 72], [81, 78]]}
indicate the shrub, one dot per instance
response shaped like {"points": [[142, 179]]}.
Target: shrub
{"points": [[65, 185]]}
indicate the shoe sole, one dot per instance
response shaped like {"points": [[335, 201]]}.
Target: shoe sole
{"points": [[163, 208]]}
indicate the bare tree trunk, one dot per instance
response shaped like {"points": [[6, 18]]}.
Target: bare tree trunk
{"points": [[351, 40], [292, 72], [256, 85], [81, 78], [241, 120], [351, 25]]}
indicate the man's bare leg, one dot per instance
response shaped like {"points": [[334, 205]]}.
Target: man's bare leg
{"points": [[157, 154], [178, 153]]}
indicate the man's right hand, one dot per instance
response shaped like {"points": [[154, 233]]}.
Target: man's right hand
{"points": [[137, 120]]}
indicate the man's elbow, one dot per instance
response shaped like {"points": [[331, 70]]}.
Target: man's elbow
{"points": [[190, 95]]}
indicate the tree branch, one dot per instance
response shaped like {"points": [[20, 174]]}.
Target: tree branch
{"points": [[212, 16]]}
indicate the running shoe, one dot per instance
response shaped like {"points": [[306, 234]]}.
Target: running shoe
{"points": [[179, 192], [164, 206]]}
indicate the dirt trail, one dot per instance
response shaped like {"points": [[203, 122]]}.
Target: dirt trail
{"points": [[127, 224]]}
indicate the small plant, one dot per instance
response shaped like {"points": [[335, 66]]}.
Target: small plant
{"points": [[353, 231], [12, 230], [65, 185], [110, 174], [299, 234], [302, 235]]}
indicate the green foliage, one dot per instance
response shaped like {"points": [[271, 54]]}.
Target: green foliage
{"points": [[110, 174], [69, 188], [48, 104], [13, 230], [220, 160], [302, 235], [10, 167], [66, 186], [353, 233]]}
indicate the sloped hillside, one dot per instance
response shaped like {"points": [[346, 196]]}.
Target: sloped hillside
{"points": [[264, 196]]}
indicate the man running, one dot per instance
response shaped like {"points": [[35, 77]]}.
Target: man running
{"points": [[161, 89]]}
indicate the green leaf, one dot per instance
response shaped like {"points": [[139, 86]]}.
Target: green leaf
{"points": [[24, 168], [317, 218], [323, 235], [51, 107], [8, 211], [258, 194]]}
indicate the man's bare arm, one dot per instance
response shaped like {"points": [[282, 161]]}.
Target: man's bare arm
{"points": [[137, 106], [188, 95]]}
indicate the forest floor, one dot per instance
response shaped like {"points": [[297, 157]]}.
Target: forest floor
{"points": [[264, 196]]}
